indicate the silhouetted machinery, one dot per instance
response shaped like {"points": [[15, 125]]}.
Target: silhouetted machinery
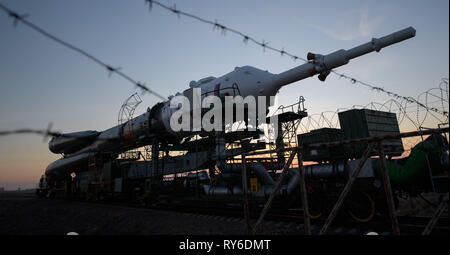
{"points": [[206, 164]]}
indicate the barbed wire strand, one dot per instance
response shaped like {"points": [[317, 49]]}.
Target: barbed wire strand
{"points": [[46, 133], [246, 38], [282, 51], [21, 18]]}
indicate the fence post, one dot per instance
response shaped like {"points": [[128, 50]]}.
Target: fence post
{"points": [[437, 214], [274, 192], [303, 193], [388, 191], [345, 191], [244, 194]]}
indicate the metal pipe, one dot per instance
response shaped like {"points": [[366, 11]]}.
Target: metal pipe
{"points": [[257, 167], [293, 181], [262, 173], [322, 64], [264, 190], [378, 44], [320, 171], [303, 194]]}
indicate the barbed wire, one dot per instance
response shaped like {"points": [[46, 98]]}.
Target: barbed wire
{"points": [[282, 51], [404, 110], [21, 18], [216, 25], [46, 133], [391, 94], [401, 102]]}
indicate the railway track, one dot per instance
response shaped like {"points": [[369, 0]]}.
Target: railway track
{"points": [[288, 221], [409, 225]]}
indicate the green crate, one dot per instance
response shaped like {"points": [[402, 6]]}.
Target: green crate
{"points": [[363, 123], [323, 135]]}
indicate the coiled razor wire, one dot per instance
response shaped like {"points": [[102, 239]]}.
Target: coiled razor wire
{"points": [[407, 112]]}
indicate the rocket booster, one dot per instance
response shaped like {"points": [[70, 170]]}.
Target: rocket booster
{"points": [[242, 81]]}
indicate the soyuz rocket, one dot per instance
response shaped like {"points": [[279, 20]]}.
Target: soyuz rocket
{"points": [[78, 147]]}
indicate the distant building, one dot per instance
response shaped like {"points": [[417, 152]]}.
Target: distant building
{"points": [[2, 189]]}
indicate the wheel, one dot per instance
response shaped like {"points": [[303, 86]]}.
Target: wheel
{"points": [[316, 205], [361, 207]]}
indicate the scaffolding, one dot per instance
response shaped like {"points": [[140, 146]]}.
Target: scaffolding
{"points": [[372, 142]]}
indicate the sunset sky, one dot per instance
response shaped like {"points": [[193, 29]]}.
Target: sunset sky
{"points": [[42, 82]]}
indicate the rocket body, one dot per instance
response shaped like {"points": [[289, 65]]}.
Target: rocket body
{"points": [[155, 123]]}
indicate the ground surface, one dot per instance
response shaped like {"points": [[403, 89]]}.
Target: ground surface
{"points": [[26, 214]]}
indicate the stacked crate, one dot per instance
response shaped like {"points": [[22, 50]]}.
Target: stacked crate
{"points": [[364, 123], [355, 124], [323, 135]]}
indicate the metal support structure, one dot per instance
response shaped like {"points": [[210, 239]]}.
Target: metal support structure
{"points": [[388, 191], [303, 193], [288, 121], [344, 193], [274, 192], [245, 195], [430, 173], [437, 214], [126, 113], [359, 140], [346, 190]]}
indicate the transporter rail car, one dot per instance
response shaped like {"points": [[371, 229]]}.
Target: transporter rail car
{"points": [[203, 167], [133, 180]]}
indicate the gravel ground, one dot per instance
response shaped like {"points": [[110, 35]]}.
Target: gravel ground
{"points": [[418, 206], [29, 215], [25, 214]]}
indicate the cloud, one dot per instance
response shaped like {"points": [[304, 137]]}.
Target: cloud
{"points": [[366, 27]]}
